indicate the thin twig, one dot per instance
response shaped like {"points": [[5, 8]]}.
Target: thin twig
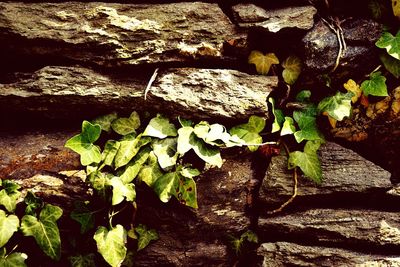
{"points": [[340, 37], [290, 200], [152, 79]]}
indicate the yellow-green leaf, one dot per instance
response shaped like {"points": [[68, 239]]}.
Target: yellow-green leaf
{"points": [[307, 161], [111, 244], [262, 62], [292, 69], [396, 8]]}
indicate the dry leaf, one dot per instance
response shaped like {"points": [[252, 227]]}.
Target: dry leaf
{"points": [[353, 87]]}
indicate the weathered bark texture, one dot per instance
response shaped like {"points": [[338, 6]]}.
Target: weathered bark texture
{"points": [[115, 34], [66, 92], [344, 172], [250, 15], [289, 254]]}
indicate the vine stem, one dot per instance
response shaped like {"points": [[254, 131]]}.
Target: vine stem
{"points": [[295, 186], [152, 79]]}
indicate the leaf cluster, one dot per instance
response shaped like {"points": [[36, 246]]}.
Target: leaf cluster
{"points": [[150, 154], [39, 221]]}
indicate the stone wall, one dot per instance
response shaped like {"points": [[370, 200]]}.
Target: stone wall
{"points": [[65, 62]]}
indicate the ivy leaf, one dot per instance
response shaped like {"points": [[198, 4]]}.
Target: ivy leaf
{"points": [[83, 215], [184, 122], [396, 8], [292, 69], [391, 64], [279, 117], [353, 87], [111, 244], [122, 191], [249, 236], [32, 203], [45, 230], [160, 127], [83, 143], [83, 260], [99, 181], [177, 185], [166, 152], [184, 134], [15, 259], [109, 152], [105, 121], [206, 152], [303, 96], [145, 236], [8, 226], [375, 86], [262, 62], [390, 43], [306, 120], [337, 106], [375, 8], [133, 167], [307, 161], [9, 195], [130, 146], [124, 126], [150, 172], [214, 134], [249, 132], [288, 126]]}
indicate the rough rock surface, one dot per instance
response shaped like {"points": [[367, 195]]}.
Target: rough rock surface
{"points": [[68, 92], [340, 227], [290, 254], [250, 15], [115, 34], [321, 46], [344, 172]]}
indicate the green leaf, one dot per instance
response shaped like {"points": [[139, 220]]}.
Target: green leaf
{"points": [[390, 43], [292, 69], [184, 134], [109, 152], [9, 195], [145, 236], [288, 126], [83, 215], [32, 203], [306, 120], [376, 9], [133, 167], [375, 86], [263, 62], [124, 126], [166, 152], [83, 260], [99, 181], [15, 259], [129, 147], [111, 244], [8, 226], [177, 185], [391, 64], [122, 191], [160, 127], [279, 118], [307, 161], [189, 172], [249, 132], [250, 236], [303, 96], [83, 143], [184, 122], [337, 106], [45, 230], [206, 152], [150, 172], [105, 121]]}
